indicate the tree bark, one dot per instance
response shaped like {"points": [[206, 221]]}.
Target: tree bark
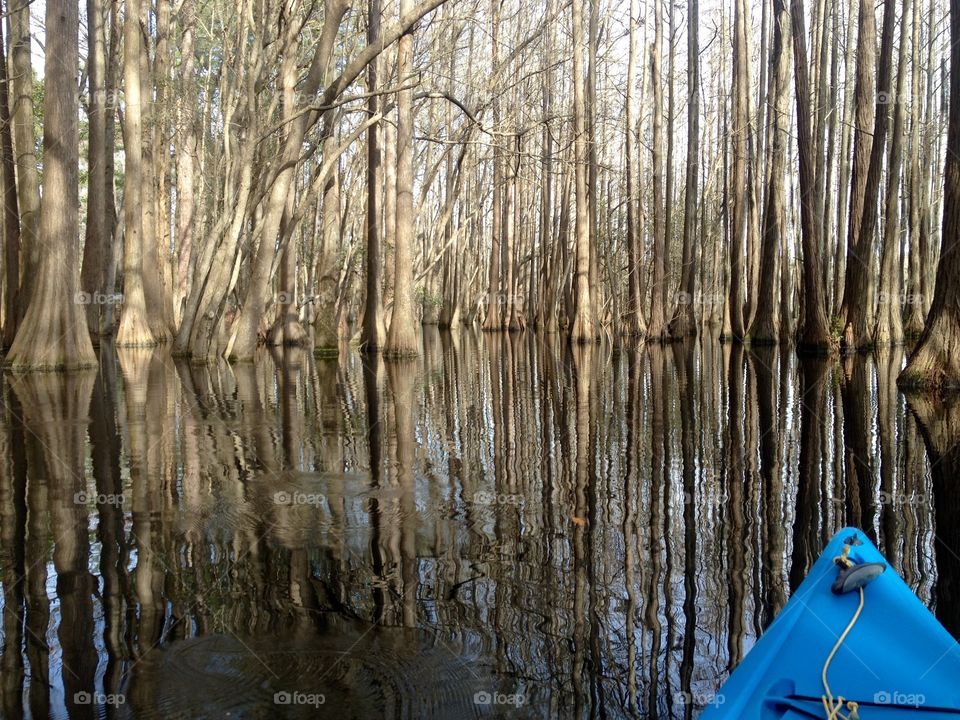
{"points": [[738, 179], [814, 330], [134, 330], [684, 321], [402, 339], [657, 330], [582, 328], [859, 294], [889, 325], [935, 362], [374, 333], [12, 310], [53, 334], [97, 244], [765, 328], [28, 181]]}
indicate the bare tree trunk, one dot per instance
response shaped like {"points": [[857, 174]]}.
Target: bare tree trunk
{"points": [[633, 324], [247, 324], [402, 337], [765, 328], [684, 321], [889, 327], [134, 329], [582, 328], [28, 181], [814, 331], [493, 320], [12, 310], [844, 178], [738, 179], [657, 330], [935, 362], [325, 331], [97, 244], [915, 306], [186, 142], [53, 334], [374, 332]]}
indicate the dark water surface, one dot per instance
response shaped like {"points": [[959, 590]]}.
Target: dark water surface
{"points": [[501, 527]]}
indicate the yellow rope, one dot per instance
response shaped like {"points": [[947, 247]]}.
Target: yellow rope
{"points": [[833, 707]]}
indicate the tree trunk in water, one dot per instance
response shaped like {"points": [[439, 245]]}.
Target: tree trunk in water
{"points": [[935, 362], [325, 335], [889, 327], [684, 321], [374, 333], [844, 178], [247, 324], [634, 312], [581, 329], [402, 337], [134, 329], [859, 295], [53, 334], [186, 143], [97, 244], [28, 181], [814, 331], [915, 306], [765, 328], [493, 320], [657, 330], [12, 310], [154, 255], [738, 179]]}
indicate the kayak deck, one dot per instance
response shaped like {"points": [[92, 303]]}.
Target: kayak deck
{"points": [[896, 661]]}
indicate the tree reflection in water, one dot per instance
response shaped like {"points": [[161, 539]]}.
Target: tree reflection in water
{"points": [[580, 531]]}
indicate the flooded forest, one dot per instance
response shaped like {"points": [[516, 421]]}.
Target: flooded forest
{"points": [[463, 358]]}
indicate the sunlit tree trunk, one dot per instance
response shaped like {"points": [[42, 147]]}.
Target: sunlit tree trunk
{"points": [[28, 181], [373, 334], [582, 328], [186, 142], [53, 333], [97, 245], [134, 330], [402, 337], [12, 311]]}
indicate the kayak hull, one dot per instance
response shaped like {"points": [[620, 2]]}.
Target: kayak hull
{"points": [[897, 661]]}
